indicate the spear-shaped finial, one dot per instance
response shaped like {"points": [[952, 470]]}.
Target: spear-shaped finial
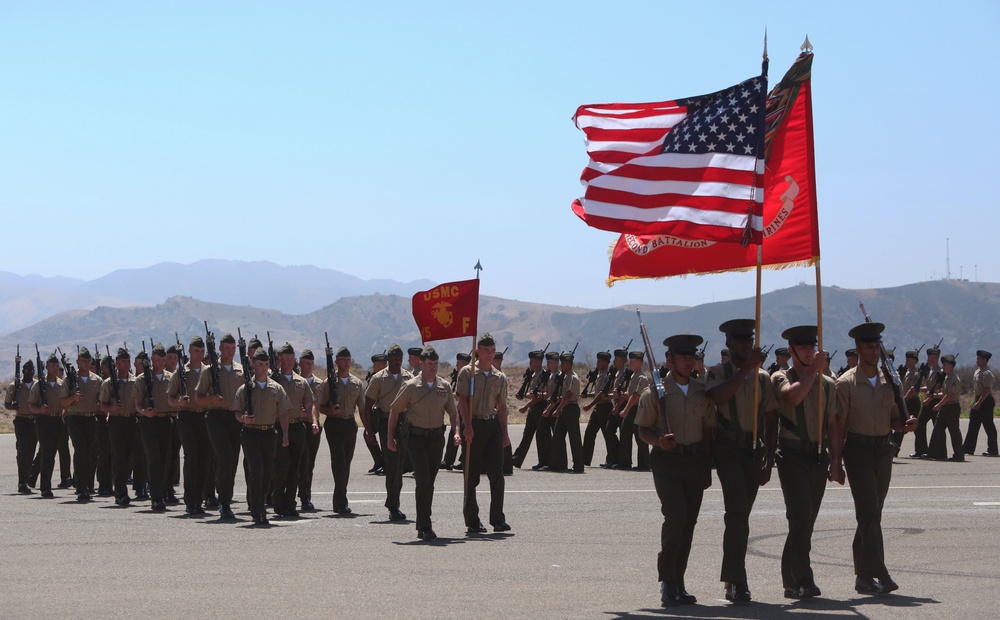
{"points": [[765, 42], [478, 268], [807, 47]]}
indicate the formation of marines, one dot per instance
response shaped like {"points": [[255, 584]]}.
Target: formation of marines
{"points": [[128, 420]]}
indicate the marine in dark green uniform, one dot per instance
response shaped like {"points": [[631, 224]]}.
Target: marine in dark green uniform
{"points": [[679, 460], [803, 462], [743, 450], [860, 428]]}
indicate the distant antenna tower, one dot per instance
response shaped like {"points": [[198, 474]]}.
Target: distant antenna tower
{"points": [[947, 259]]}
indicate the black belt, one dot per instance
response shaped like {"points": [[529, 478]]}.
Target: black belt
{"points": [[682, 449], [259, 427], [87, 414], [868, 440], [797, 445], [485, 418], [740, 438], [427, 432], [225, 411]]}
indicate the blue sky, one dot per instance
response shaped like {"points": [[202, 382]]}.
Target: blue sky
{"points": [[408, 140]]}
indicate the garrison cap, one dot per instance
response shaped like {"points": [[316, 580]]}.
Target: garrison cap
{"points": [[414, 351], [535, 355], [260, 355], [683, 344], [636, 355], [865, 332], [782, 351], [255, 343], [566, 356], [173, 349], [428, 353], [851, 353], [380, 358], [29, 364], [552, 355], [948, 359], [724, 352], [286, 348], [159, 350], [464, 357], [228, 339], [307, 354], [394, 349], [142, 355], [84, 354], [801, 334], [343, 352], [986, 355], [52, 358], [912, 355], [933, 351], [604, 355], [738, 328], [621, 352], [197, 341], [486, 340]]}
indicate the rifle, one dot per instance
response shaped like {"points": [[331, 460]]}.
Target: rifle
{"points": [[97, 359], [655, 386], [248, 373], [71, 376], [272, 359], [331, 373], [147, 378], [113, 377], [526, 378], [182, 378], [591, 380], [889, 373], [560, 378], [17, 378], [213, 361], [41, 376]]}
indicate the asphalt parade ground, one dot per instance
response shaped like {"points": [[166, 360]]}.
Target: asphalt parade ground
{"points": [[582, 546]]}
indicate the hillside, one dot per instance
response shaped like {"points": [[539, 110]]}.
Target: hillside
{"points": [[966, 315]]}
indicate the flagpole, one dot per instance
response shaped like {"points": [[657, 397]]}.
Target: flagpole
{"points": [[472, 395], [760, 262], [819, 341]]}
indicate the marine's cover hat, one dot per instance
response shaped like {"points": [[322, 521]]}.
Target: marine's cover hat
{"points": [[486, 340], [463, 357], [866, 332], [738, 328], [84, 354], [197, 341], [428, 353], [948, 359], [683, 344], [566, 356], [394, 349], [343, 352], [307, 354], [801, 334], [986, 355], [604, 355], [535, 355], [636, 355], [414, 350]]}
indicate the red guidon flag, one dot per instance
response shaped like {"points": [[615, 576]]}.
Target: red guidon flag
{"points": [[692, 167], [791, 227], [449, 310]]}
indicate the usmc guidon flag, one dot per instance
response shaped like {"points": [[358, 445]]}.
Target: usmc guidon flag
{"points": [[791, 229], [449, 310]]}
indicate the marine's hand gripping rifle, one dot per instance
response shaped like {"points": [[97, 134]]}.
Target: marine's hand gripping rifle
{"points": [[17, 378], [248, 373], [213, 361]]}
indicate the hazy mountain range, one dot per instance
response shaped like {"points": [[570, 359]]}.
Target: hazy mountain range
{"points": [[966, 315], [296, 289]]}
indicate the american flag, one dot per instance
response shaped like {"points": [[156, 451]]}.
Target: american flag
{"points": [[693, 167]]}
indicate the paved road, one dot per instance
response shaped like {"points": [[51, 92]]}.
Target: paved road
{"points": [[583, 546]]}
